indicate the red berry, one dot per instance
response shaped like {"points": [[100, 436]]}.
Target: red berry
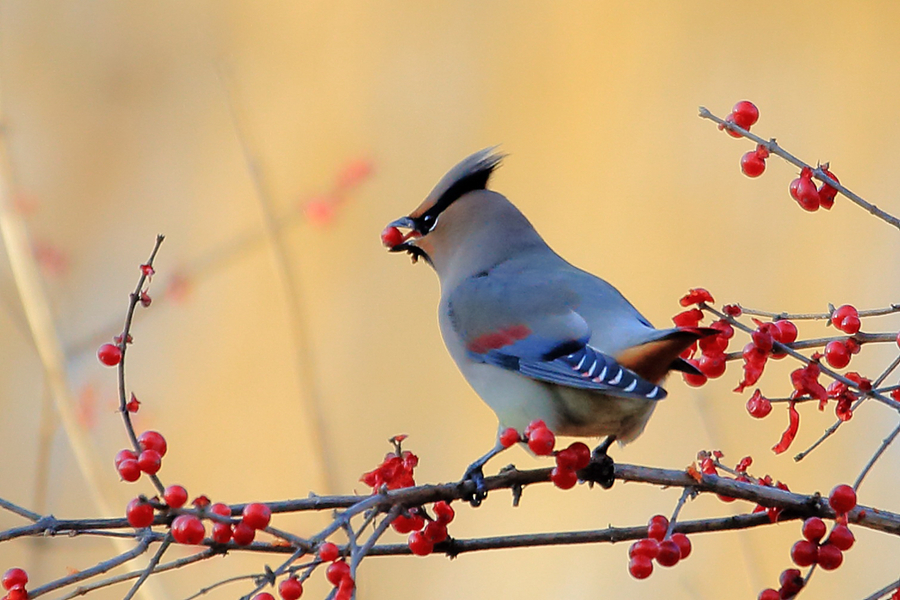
{"points": [[124, 455], [443, 512], [220, 509], [139, 513], [564, 479], [147, 270], [263, 596], [769, 594], [804, 191], [17, 592], [419, 544], [187, 529], [109, 354], [758, 405], [404, 524], [129, 470], [791, 582], [830, 557], [153, 440], [842, 537], [175, 496], [842, 498], [536, 424], [290, 589], [745, 114], [804, 552], [257, 515], [149, 461], [345, 589], [846, 318], [814, 529], [826, 192], [576, 456], [734, 134], [243, 534], [787, 331], [221, 533], [436, 532], [391, 237], [752, 164], [712, 366], [14, 576], [509, 437], [837, 354], [541, 441], [898, 339], [683, 543], [646, 547], [640, 567], [657, 527], [669, 553], [328, 552], [694, 380]]}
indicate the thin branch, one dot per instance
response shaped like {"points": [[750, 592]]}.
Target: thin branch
{"points": [[133, 300], [150, 567], [884, 591], [875, 312], [102, 567], [22, 512], [175, 564], [884, 446]]}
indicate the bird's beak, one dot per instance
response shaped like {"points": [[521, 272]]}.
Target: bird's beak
{"points": [[400, 242]]}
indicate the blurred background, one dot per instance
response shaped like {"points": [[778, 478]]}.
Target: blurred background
{"points": [[271, 142]]}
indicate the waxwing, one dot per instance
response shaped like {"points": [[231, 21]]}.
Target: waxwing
{"points": [[536, 337]]}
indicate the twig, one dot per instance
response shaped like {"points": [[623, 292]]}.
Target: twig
{"points": [[175, 564], [123, 346], [884, 446], [150, 567], [102, 567], [22, 512], [884, 591], [874, 312], [685, 494]]}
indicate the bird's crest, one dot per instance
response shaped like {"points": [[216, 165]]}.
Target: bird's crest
{"points": [[471, 174]]}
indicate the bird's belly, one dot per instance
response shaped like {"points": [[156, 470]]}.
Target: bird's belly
{"points": [[518, 400]]}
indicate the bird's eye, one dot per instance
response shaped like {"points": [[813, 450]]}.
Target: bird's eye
{"points": [[428, 223]]}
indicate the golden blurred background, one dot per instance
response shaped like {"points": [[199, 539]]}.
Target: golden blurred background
{"points": [[271, 141]]}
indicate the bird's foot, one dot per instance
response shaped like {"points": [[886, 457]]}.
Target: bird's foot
{"points": [[475, 474], [600, 470]]}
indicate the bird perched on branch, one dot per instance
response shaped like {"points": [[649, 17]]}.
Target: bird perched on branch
{"points": [[536, 337]]}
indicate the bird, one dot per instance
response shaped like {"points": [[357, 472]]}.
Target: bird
{"points": [[535, 336]]}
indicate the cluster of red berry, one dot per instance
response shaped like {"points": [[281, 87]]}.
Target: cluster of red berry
{"points": [[395, 471], [14, 581], [189, 529], [422, 536], [665, 549], [130, 465], [810, 550], [744, 114], [762, 345], [710, 463], [711, 363], [808, 196], [753, 163], [541, 441]]}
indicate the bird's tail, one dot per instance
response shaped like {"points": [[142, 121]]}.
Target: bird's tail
{"points": [[654, 359]]}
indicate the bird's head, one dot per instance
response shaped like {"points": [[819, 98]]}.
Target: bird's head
{"points": [[440, 221]]}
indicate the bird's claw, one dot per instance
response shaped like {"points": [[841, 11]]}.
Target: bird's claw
{"points": [[475, 474], [600, 470]]}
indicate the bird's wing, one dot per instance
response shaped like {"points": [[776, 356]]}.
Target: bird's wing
{"points": [[529, 323]]}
